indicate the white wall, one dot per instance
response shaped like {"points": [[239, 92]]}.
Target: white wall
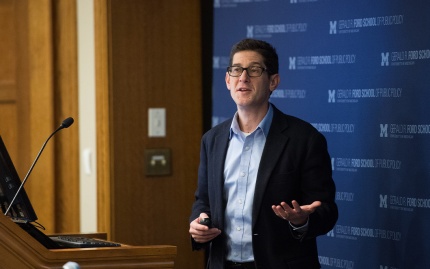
{"points": [[86, 119]]}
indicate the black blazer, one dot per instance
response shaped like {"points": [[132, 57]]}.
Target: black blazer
{"points": [[295, 165]]}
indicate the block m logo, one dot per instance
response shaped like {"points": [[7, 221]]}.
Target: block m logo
{"points": [[332, 96], [384, 130], [292, 65], [333, 27], [215, 63], [383, 201], [250, 31], [384, 59]]}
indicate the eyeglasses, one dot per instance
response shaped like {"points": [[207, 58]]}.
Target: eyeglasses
{"points": [[252, 71]]}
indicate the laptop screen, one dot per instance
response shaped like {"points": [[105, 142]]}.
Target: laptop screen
{"points": [[9, 184]]}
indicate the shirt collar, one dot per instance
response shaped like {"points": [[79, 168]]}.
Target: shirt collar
{"points": [[264, 125]]}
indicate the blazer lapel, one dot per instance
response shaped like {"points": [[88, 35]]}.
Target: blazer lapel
{"points": [[220, 152], [275, 144]]}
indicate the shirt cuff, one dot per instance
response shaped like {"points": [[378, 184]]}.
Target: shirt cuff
{"points": [[301, 229]]}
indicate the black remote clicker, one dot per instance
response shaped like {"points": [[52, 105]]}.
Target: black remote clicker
{"points": [[206, 222]]}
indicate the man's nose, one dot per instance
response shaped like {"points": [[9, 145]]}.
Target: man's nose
{"points": [[244, 76]]}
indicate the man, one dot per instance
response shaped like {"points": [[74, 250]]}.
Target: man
{"points": [[264, 178]]}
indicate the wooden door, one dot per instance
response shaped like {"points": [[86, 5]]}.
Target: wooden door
{"points": [[148, 56]]}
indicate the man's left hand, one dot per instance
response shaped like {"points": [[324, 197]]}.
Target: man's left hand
{"points": [[296, 215]]}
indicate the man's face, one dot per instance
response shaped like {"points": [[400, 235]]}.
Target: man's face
{"points": [[246, 91]]}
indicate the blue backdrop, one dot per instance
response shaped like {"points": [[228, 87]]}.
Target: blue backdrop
{"points": [[359, 71]]}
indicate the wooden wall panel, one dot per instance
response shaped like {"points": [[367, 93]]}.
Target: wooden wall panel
{"points": [[8, 126], [35, 103], [66, 105], [37, 88], [8, 112]]}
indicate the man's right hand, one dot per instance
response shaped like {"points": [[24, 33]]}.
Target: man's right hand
{"points": [[201, 233]]}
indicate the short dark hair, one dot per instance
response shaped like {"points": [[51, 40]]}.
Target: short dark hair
{"points": [[270, 57]]}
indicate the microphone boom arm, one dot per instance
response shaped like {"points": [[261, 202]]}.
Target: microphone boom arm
{"points": [[66, 123]]}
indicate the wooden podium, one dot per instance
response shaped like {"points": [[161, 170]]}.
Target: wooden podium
{"points": [[19, 250]]}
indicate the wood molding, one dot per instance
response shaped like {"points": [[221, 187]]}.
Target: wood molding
{"points": [[104, 199]]}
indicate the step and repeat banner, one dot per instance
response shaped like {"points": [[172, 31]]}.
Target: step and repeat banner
{"points": [[359, 72]]}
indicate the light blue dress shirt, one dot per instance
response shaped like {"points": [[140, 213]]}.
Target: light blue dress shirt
{"points": [[240, 173]]}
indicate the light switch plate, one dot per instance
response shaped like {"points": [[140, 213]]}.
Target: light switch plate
{"points": [[156, 122]]}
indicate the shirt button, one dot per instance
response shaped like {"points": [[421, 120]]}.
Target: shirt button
{"points": [[238, 228], [246, 148], [242, 174]]}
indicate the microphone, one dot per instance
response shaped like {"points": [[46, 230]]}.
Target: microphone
{"points": [[65, 124]]}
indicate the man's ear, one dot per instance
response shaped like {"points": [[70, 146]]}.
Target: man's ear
{"points": [[227, 80], [274, 81]]}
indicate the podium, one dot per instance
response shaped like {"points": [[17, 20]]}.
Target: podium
{"points": [[18, 249]]}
